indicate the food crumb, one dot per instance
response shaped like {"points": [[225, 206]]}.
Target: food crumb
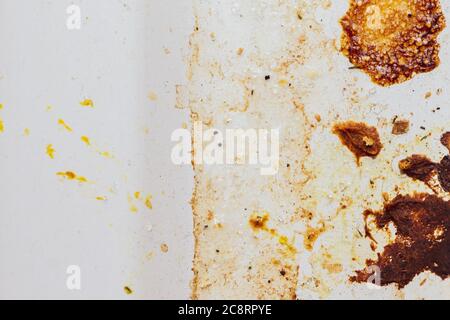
{"points": [[148, 202], [164, 248], [86, 140], [50, 151], [62, 123], [69, 175], [128, 290], [87, 103]]}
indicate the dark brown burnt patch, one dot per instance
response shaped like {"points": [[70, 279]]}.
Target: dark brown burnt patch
{"points": [[418, 167], [444, 173], [422, 240], [392, 40], [362, 140]]}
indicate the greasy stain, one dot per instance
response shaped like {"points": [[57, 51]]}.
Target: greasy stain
{"points": [[422, 240], [70, 175], [63, 124], [50, 151], [362, 140], [392, 40], [87, 103], [259, 222], [311, 235]]}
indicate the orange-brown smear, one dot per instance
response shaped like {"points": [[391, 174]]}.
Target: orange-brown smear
{"points": [[361, 139], [392, 40], [422, 242]]}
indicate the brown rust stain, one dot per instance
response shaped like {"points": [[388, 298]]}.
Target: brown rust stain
{"points": [[362, 140], [400, 127], [444, 173], [445, 140], [422, 241], [392, 40], [419, 167]]}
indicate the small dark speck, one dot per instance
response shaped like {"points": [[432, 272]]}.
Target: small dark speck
{"points": [[283, 273], [423, 128], [267, 77]]}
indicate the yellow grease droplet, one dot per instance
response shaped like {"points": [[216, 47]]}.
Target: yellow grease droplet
{"points": [[86, 140], [133, 208], [2, 126], [50, 151], [87, 103], [69, 175], [152, 96], [137, 195], [148, 202], [101, 198], [26, 132], [62, 123], [1, 106]]}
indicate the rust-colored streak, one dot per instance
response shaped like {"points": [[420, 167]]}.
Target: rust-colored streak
{"points": [[418, 167], [422, 242], [392, 40], [361, 139]]}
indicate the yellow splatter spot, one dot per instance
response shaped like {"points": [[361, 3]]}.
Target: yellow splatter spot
{"points": [[152, 96], [86, 140], [62, 123], [127, 290], [101, 198], [69, 175], [260, 221], [26, 132], [148, 202], [50, 151], [2, 126], [137, 195], [134, 209], [87, 103], [283, 83], [1, 106]]}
